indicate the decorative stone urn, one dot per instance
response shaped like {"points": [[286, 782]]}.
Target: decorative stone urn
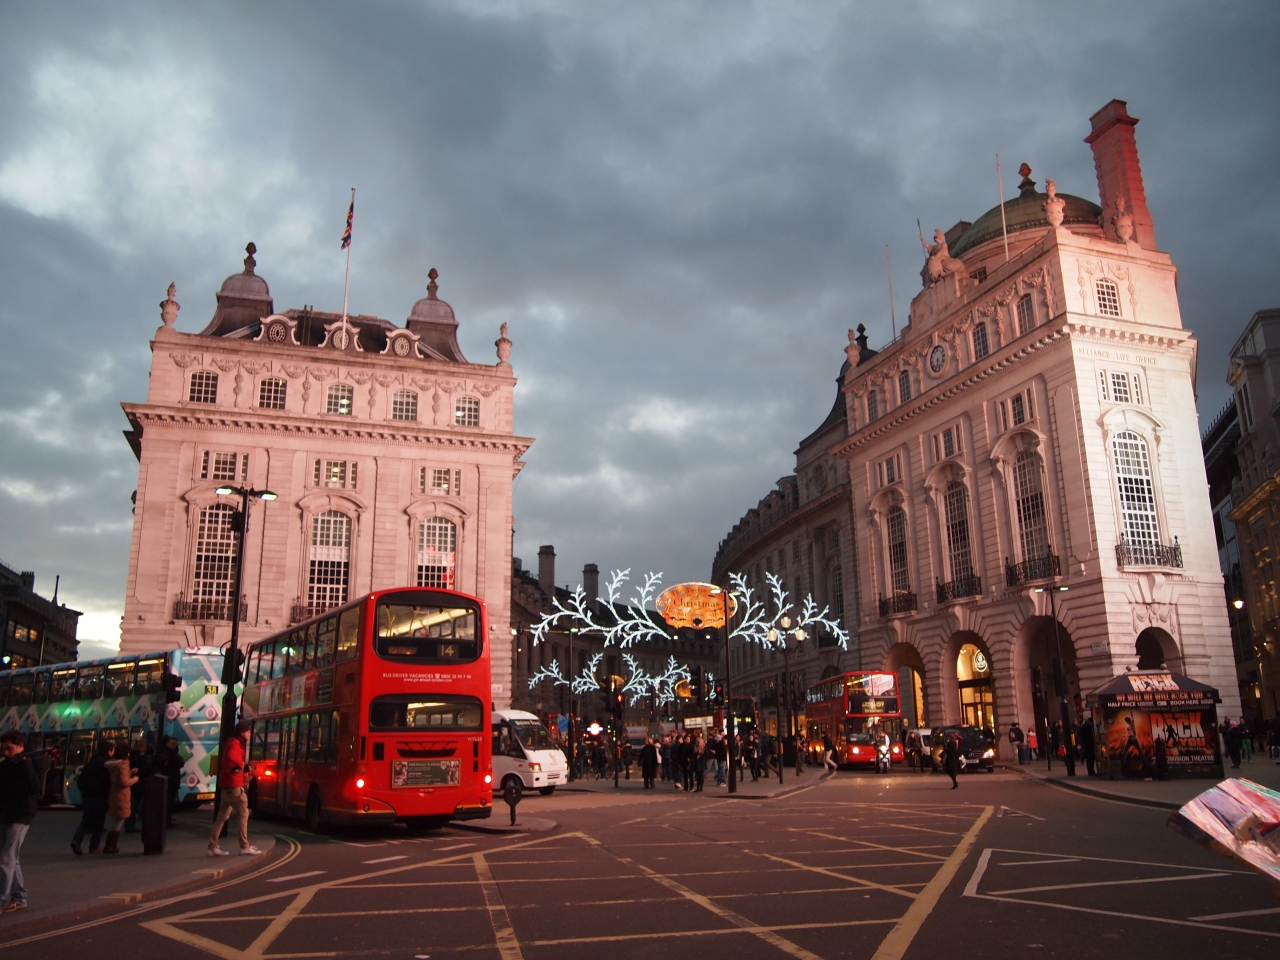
{"points": [[1122, 220], [1053, 204]]}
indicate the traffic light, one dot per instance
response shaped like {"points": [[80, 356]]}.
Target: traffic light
{"points": [[618, 705], [719, 693], [1037, 684], [233, 668], [699, 685], [172, 688]]}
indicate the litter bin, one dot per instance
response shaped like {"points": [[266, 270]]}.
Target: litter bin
{"points": [[155, 813], [1024, 754]]}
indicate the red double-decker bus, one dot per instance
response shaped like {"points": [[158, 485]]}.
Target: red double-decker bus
{"points": [[374, 712], [853, 710]]}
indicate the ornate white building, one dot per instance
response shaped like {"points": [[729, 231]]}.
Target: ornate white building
{"points": [[391, 454], [1035, 426]]}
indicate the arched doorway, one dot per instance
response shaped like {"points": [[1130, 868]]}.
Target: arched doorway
{"points": [[905, 660], [975, 684], [1157, 650], [1051, 676]]}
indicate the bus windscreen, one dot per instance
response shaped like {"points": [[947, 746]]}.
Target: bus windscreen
{"points": [[423, 632], [532, 735], [410, 712]]}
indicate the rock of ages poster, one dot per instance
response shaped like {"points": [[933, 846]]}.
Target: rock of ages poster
{"points": [[1189, 735]]}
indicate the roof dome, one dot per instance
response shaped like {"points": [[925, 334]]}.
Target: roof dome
{"points": [[1024, 213], [248, 283], [431, 308]]}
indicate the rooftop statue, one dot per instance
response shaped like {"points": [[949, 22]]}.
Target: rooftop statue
{"points": [[940, 262]]}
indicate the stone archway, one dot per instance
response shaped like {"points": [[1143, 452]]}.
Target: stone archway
{"points": [[905, 660], [971, 673], [1036, 664], [1157, 649]]}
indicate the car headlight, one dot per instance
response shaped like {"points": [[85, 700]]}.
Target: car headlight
{"points": [[535, 767], [989, 754]]}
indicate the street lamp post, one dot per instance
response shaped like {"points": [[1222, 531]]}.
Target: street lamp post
{"points": [[573, 712], [1061, 673], [731, 747], [230, 664], [780, 638]]}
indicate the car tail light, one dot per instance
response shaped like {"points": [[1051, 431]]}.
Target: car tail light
{"points": [[856, 751], [359, 783], [488, 778], [897, 750]]}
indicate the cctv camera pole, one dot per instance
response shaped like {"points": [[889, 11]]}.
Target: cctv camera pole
{"points": [[728, 695]]}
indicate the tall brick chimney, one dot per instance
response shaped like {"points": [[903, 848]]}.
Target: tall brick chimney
{"points": [[1115, 158], [547, 569], [591, 584]]}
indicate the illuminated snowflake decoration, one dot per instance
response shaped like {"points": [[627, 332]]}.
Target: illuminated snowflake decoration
{"points": [[633, 626], [757, 626]]}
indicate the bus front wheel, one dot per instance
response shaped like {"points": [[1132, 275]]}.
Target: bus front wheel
{"points": [[314, 821]]}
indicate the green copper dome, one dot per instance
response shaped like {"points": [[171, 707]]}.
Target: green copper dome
{"points": [[1023, 213]]}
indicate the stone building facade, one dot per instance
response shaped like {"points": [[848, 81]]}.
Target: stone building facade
{"points": [[1034, 427], [802, 532], [1254, 373], [392, 456]]}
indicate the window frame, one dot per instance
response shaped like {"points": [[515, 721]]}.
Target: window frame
{"points": [[206, 392], [337, 395]]}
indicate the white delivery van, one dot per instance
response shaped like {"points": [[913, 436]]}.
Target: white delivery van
{"points": [[523, 750]]}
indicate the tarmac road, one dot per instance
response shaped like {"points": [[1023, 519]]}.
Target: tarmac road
{"points": [[856, 866]]}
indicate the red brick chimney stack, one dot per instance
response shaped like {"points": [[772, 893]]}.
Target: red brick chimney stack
{"points": [[1115, 157]]}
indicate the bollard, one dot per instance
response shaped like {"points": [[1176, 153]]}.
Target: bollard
{"points": [[155, 813], [512, 791]]}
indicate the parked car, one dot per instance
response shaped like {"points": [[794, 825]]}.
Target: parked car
{"points": [[977, 747]]}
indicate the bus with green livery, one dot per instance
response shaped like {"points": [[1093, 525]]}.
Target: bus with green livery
{"points": [[65, 709]]}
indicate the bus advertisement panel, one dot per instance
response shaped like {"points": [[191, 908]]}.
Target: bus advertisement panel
{"points": [[855, 709], [375, 712], [65, 709]]}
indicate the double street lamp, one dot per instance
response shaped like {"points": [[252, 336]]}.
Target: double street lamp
{"points": [[779, 639], [1060, 682], [231, 663]]}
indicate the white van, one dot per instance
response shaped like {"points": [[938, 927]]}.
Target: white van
{"points": [[523, 749]]}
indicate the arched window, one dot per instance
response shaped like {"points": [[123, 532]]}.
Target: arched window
{"points": [[404, 405], [330, 558], [271, 393], [899, 582], [437, 553], [1108, 297], [873, 406], [980, 346], [904, 386], [1026, 314], [956, 509], [1033, 530], [340, 399], [215, 568], [1140, 526], [204, 387], [466, 412]]}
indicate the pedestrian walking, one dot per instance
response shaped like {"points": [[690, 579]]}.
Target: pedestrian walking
{"points": [[120, 798], [951, 759], [649, 763], [1085, 736], [232, 768], [720, 750], [19, 795], [94, 784], [1232, 736], [829, 753], [168, 763], [699, 763]]}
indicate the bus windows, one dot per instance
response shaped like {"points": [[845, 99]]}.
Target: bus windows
{"points": [[41, 694], [309, 648], [326, 637], [293, 649], [64, 684], [81, 747], [119, 682], [300, 744], [271, 740], [410, 711], [423, 632], [348, 633], [258, 742], [288, 733], [150, 677], [20, 691]]}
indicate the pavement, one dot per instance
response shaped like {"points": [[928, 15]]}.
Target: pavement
{"points": [[1162, 794], [62, 887]]}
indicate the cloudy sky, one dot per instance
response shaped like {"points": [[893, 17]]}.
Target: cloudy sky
{"points": [[680, 208]]}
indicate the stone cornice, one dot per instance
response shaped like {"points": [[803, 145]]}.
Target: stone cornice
{"points": [[828, 499], [1256, 497], [143, 415], [1062, 329]]}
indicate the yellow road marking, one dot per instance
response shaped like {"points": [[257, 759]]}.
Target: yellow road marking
{"points": [[503, 932], [897, 941]]}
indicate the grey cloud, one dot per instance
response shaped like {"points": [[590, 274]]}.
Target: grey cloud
{"points": [[700, 195]]}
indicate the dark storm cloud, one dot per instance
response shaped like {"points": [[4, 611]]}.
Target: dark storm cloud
{"points": [[678, 208]]}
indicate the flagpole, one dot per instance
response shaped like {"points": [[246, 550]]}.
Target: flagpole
{"points": [[346, 280], [1004, 227]]}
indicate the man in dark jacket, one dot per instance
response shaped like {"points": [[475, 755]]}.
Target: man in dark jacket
{"points": [[94, 783], [19, 791], [649, 763], [951, 758], [168, 763]]}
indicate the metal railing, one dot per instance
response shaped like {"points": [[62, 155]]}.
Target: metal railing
{"points": [[302, 611], [904, 602], [208, 609], [1148, 554], [1037, 568], [958, 589]]}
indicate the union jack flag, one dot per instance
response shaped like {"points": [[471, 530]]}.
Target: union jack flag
{"points": [[351, 212]]}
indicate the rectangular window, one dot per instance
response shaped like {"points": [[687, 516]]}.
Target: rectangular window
{"points": [[949, 442], [466, 412], [904, 386], [404, 405], [937, 450], [1102, 382], [204, 387], [1246, 408], [204, 466], [224, 466], [1003, 411], [340, 399], [1018, 408], [980, 345], [1108, 298], [335, 473], [271, 393], [1137, 388], [1120, 387], [441, 481], [1026, 315], [891, 469], [873, 406]]}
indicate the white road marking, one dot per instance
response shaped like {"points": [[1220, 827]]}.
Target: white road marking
{"points": [[456, 846], [1242, 913], [1108, 883], [1029, 863], [296, 876], [403, 856], [1010, 812]]}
